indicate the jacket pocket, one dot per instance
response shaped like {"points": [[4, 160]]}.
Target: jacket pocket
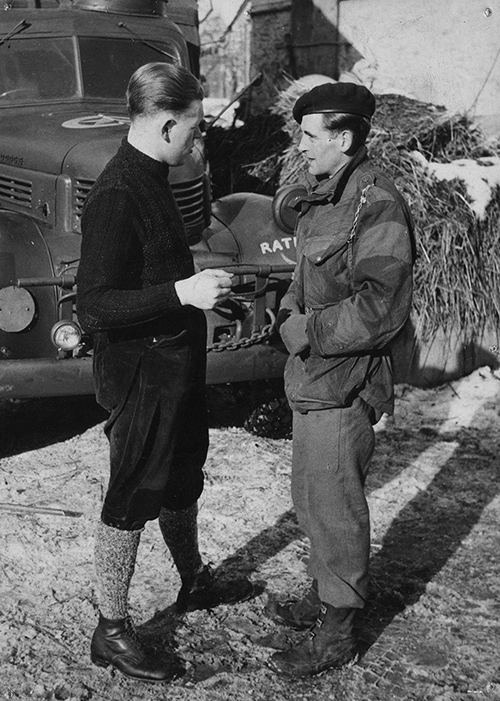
{"points": [[318, 249], [320, 383], [325, 272]]}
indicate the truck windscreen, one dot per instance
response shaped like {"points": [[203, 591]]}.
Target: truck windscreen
{"points": [[107, 64], [37, 69], [46, 69]]}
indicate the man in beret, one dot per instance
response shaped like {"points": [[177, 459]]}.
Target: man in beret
{"points": [[350, 297]]}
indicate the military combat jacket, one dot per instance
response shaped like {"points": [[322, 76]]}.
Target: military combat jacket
{"points": [[351, 292]]}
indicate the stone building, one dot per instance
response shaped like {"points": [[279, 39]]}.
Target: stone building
{"points": [[444, 53], [225, 53], [292, 38]]}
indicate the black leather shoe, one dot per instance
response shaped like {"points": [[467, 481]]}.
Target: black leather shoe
{"points": [[205, 591], [329, 644], [115, 643], [299, 614]]}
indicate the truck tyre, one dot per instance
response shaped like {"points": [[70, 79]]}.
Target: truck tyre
{"points": [[271, 419]]}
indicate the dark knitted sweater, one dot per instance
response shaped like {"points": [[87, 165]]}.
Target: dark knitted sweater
{"points": [[134, 248]]}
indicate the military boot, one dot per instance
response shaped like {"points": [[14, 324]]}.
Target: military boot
{"points": [[115, 643], [298, 614], [330, 643]]}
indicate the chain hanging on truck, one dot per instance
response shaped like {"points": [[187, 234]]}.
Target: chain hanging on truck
{"points": [[255, 337], [262, 328]]}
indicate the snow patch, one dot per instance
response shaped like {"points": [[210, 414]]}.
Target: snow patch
{"points": [[212, 106], [480, 177]]}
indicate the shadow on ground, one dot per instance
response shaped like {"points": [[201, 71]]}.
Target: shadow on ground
{"points": [[423, 537], [429, 530], [30, 424]]}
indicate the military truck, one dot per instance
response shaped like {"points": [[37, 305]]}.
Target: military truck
{"points": [[64, 68]]}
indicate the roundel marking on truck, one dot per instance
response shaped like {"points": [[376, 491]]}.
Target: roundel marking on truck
{"points": [[17, 309], [96, 121]]}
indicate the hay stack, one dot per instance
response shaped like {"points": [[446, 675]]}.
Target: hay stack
{"points": [[236, 155], [457, 274]]}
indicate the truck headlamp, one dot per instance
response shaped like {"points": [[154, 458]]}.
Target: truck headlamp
{"points": [[284, 202], [17, 309], [66, 335]]}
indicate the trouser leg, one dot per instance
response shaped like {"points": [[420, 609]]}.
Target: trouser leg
{"points": [[300, 470], [331, 453], [115, 554], [158, 444], [180, 533]]}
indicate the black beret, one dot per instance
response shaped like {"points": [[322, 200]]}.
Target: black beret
{"points": [[335, 97]]}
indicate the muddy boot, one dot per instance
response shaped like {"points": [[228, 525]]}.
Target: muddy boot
{"points": [[298, 614], [115, 643], [204, 591], [330, 643], [200, 589]]}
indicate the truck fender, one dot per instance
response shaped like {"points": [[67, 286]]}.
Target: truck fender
{"points": [[23, 251], [245, 224], [24, 254]]}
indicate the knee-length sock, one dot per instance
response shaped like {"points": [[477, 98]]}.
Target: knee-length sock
{"points": [[180, 533], [114, 555]]}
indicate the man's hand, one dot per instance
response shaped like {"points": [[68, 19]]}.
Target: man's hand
{"points": [[205, 289], [293, 332]]}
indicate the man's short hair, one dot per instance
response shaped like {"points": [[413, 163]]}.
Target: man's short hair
{"points": [[156, 87], [358, 126]]}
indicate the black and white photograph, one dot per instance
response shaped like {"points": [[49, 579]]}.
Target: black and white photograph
{"points": [[249, 350]]}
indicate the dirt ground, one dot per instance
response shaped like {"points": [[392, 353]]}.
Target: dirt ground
{"points": [[431, 630]]}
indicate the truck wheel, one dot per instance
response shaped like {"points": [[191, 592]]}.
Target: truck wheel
{"points": [[271, 419]]}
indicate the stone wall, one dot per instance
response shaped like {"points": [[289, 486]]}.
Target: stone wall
{"points": [[445, 53], [225, 55], [269, 48], [439, 52]]}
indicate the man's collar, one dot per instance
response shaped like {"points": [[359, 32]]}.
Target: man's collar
{"points": [[329, 184], [332, 187], [143, 160]]}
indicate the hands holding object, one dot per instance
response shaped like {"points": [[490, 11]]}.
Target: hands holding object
{"points": [[205, 289]]}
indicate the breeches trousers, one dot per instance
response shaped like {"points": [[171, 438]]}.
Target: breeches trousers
{"points": [[157, 428]]}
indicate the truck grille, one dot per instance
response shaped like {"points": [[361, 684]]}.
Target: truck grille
{"points": [[15, 190], [189, 196], [80, 192]]}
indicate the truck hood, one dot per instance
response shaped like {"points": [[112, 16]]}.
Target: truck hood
{"points": [[40, 141], [77, 142]]}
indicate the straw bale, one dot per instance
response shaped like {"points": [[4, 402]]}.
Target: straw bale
{"points": [[457, 273]]}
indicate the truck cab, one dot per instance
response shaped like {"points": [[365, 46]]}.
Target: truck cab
{"points": [[64, 68]]}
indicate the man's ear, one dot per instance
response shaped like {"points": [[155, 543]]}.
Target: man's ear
{"points": [[346, 140], [166, 129]]}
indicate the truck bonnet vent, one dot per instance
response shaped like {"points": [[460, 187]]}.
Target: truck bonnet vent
{"points": [[189, 196], [121, 7], [80, 192], [15, 190]]}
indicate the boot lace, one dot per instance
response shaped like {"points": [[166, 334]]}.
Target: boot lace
{"points": [[319, 622]]}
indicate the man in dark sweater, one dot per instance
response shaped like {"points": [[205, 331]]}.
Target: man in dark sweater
{"points": [[139, 296]]}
